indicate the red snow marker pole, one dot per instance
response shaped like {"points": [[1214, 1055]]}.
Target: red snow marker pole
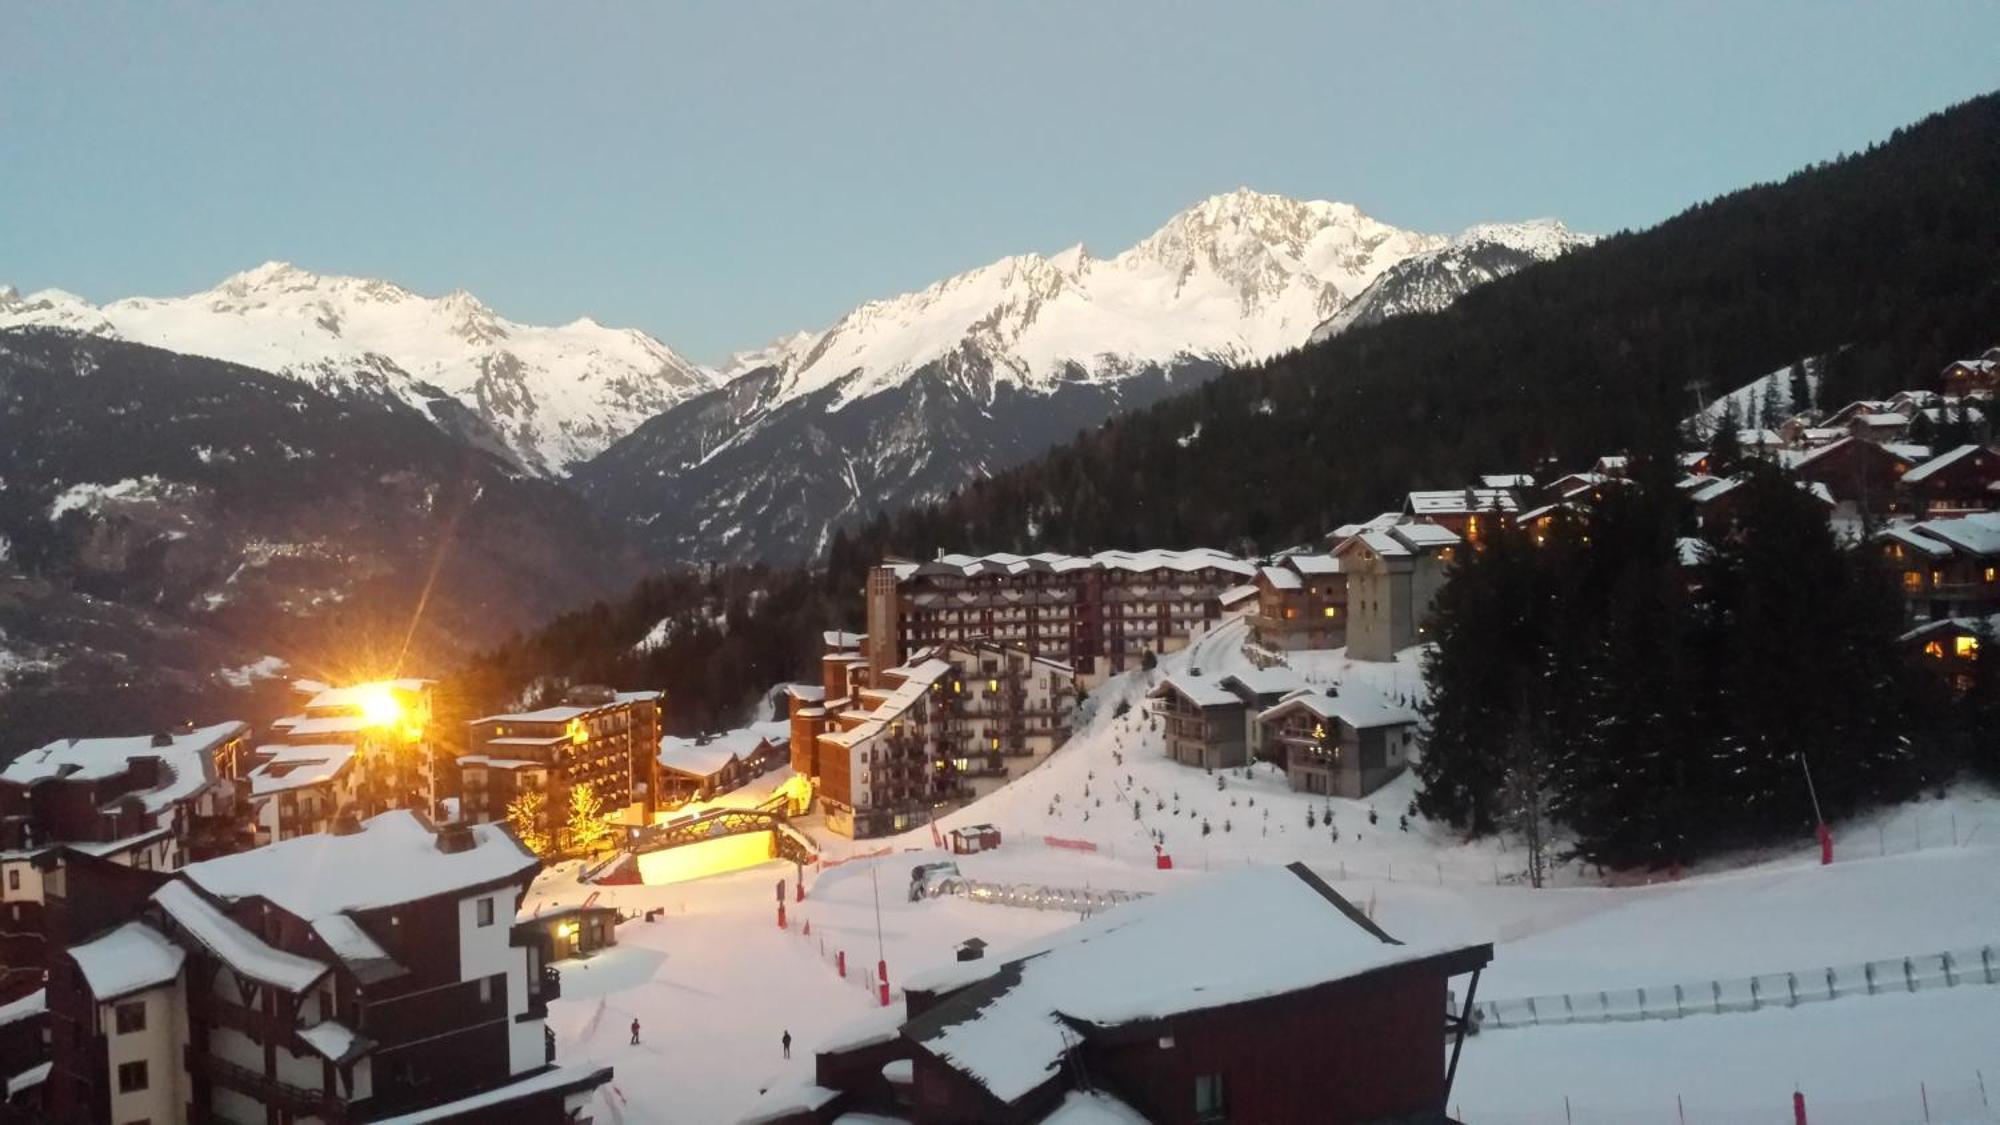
{"points": [[1798, 1108], [882, 971], [781, 915], [1825, 845], [809, 927], [840, 961], [802, 887], [885, 994]]}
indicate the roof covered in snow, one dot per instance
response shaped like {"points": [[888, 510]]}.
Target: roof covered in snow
{"points": [[1941, 462], [1011, 1022], [360, 695], [244, 952], [553, 1079], [1202, 691], [1199, 558], [1355, 706], [1976, 534], [189, 758], [1280, 578], [393, 859], [133, 957], [295, 767], [685, 755], [1273, 681], [1461, 501], [1313, 564]]}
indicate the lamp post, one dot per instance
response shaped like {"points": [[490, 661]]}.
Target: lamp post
{"points": [[1825, 836]]}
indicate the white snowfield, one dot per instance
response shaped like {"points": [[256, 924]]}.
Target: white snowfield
{"points": [[715, 983]]}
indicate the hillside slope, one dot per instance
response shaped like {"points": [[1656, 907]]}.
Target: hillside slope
{"points": [[1883, 260], [149, 493], [910, 397]]}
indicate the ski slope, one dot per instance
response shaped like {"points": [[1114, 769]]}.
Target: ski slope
{"points": [[715, 983]]}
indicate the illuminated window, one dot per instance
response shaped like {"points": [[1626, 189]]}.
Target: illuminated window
{"points": [[1934, 649], [1993, 574], [1291, 612], [1966, 646], [1937, 577], [1913, 580], [993, 685], [995, 743], [1333, 611]]}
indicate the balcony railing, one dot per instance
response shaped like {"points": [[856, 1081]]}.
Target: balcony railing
{"points": [[283, 1095]]}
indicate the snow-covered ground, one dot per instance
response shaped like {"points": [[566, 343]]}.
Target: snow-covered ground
{"points": [[715, 983]]}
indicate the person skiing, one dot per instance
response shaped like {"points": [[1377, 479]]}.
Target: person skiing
{"points": [[635, 1032], [787, 1041]]}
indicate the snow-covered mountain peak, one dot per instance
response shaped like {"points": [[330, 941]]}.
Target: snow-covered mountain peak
{"points": [[549, 397], [1543, 238], [1236, 277]]}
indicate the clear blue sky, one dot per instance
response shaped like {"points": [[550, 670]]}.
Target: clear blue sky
{"points": [[719, 173]]}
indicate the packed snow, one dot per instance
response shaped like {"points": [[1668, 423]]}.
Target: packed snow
{"points": [[715, 983]]}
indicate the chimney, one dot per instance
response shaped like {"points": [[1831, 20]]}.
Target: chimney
{"points": [[346, 824], [455, 838], [162, 738]]}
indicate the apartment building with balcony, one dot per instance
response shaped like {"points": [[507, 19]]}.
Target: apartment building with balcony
{"points": [[894, 749], [606, 739], [346, 976], [1099, 614], [149, 802]]}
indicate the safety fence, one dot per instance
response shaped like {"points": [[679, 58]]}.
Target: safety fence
{"points": [[851, 966], [1744, 994], [1962, 1101]]}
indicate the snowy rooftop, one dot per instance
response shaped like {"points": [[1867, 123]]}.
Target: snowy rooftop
{"points": [[243, 951], [807, 693], [1275, 680], [360, 695], [915, 681], [1942, 461], [843, 640], [295, 767], [1285, 929], [189, 759], [329, 724], [393, 859], [684, 755], [560, 714], [1356, 706], [1507, 480], [1383, 522], [1202, 691], [1236, 594], [132, 957], [1280, 578], [1314, 564], [1976, 534], [1459, 501], [1199, 558], [1424, 534], [27, 1007], [553, 1078]]}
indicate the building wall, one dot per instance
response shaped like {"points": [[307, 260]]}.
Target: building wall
{"points": [[156, 1046], [1349, 1053]]}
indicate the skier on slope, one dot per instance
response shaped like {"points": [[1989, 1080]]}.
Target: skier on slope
{"points": [[635, 1032], [787, 1042]]}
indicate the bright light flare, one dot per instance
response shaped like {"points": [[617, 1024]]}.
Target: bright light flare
{"points": [[380, 706]]}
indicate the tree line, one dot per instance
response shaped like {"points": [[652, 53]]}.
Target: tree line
{"points": [[1655, 695]]}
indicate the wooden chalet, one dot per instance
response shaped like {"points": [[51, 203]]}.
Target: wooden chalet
{"points": [[1947, 567], [1861, 476], [1955, 483], [1256, 995], [1343, 745]]}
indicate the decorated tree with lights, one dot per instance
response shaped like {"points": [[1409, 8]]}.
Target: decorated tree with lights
{"points": [[589, 825], [525, 815]]}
